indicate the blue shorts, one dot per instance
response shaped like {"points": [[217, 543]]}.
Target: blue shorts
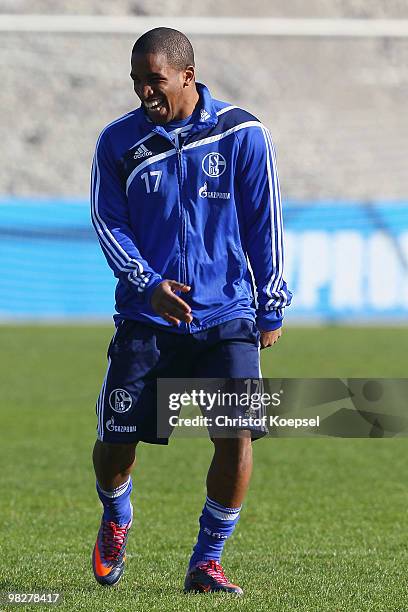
{"points": [[139, 354]]}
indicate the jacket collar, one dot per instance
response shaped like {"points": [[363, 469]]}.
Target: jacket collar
{"points": [[204, 115]]}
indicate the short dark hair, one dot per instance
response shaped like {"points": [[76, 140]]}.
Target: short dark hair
{"points": [[171, 43]]}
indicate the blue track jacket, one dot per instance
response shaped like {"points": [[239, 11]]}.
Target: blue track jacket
{"points": [[206, 213]]}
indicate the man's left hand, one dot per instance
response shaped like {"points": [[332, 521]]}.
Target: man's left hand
{"points": [[268, 338]]}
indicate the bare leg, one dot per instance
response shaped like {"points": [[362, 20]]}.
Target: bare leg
{"points": [[230, 470], [113, 463]]}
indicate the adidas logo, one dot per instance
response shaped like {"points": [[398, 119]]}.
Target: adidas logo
{"points": [[142, 152], [204, 115]]}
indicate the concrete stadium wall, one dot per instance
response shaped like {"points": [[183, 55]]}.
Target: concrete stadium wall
{"points": [[336, 107], [271, 8]]}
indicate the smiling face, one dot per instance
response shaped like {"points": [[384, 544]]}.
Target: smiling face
{"points": [[167, 93]]}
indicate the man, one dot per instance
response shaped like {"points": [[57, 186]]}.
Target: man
{"points": [[186, 205]]}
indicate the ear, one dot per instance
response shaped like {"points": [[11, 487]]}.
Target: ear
{"points": [[189, 75]]}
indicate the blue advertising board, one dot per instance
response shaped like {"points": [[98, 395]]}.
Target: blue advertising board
{"points": [[344, 261], [347, 261]]}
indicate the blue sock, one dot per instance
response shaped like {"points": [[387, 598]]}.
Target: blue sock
{"points": [[216, 525], [116, 503]]}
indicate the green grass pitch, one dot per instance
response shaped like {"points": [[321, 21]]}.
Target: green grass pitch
{"points": [[324, 527]]}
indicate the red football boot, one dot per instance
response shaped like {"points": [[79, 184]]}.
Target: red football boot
{"points": [[209, 577], [108, 557]]}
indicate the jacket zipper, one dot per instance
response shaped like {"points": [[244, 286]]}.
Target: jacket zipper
{"points": [[183, 219]]}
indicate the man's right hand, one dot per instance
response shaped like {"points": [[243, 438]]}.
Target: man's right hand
{"points": [[168, 305]]}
